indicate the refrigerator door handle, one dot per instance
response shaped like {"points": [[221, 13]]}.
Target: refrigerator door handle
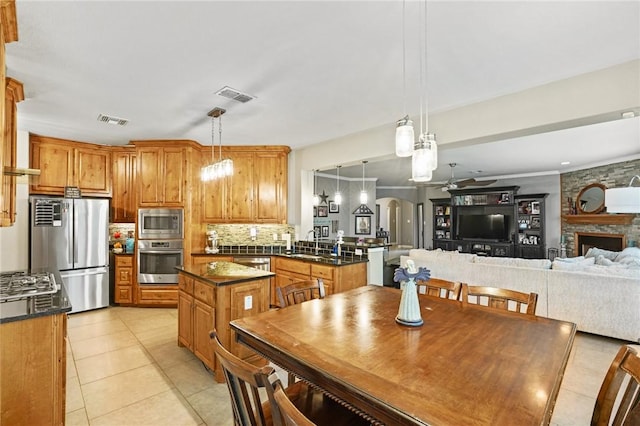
{"points": [[81, 273]]}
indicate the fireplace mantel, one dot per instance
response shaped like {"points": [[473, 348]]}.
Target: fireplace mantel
{"points": [[599, 219]]}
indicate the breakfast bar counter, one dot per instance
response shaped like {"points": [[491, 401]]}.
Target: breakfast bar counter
{"points": [[210, 295]]}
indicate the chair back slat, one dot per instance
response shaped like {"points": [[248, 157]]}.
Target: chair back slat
{"points": [[289, 413], [300, 291], [441, 288], [619, 396], [500, 298]]}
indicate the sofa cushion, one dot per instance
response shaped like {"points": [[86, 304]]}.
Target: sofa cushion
{"points": [[572, 263], [628, 253], [514, 261], [595, 252], [601, 260]]}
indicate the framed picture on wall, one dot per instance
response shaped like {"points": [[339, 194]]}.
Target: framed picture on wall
{"points": [[325, 231], [322, 211], [333, 207], [363, 225], [315, 211]]}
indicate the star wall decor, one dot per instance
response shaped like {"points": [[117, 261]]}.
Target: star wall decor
{"points": [[323, 198]]}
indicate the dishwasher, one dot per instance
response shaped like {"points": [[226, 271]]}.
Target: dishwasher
{"points": [[262, 263]]}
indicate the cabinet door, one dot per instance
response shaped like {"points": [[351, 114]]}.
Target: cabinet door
{"points": [[185, 320], [270, 177], [214, 196], [93, 171], [56, 162], [149, 176], [240, 188], [247, 300], [173, 176], [203, 323], [14, 94], [123, 203]]}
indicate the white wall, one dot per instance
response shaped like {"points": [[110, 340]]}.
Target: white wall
{"points": [[14, 240]]}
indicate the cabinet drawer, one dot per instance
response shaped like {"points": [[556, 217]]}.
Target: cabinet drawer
{"points": [[124, 260], [204, 292], [297, 266], [159, 295], [185, 284], [322, 271]]}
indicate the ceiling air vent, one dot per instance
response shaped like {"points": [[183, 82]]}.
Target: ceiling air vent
{"points": [[112, 120], [234, 94]]}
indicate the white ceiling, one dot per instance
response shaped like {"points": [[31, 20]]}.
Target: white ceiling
{"points": [[319, 70]]}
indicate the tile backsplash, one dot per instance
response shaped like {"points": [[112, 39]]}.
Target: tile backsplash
{"points": [[241, 234], [123, 229]]}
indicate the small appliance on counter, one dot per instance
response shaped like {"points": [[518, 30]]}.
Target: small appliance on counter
{"points": [[212, 243]]}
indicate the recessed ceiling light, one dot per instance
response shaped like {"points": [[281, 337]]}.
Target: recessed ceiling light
{"points": [[565, 163], [628, 114]]}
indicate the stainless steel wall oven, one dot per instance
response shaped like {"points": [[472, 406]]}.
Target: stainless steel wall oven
{"points": [[157, 260]]}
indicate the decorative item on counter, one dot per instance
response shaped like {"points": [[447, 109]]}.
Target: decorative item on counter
{"points": [[128, 248], [212, 242], [409, 310], [117, 247]]}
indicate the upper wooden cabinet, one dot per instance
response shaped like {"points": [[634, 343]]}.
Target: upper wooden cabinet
{"points": [[162, 174], [11, 92], [14, 93], [123, 203], [257, 191], [69, 163]]}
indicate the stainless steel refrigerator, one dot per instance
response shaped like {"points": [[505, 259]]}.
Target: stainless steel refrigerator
{"points": [[72, 236]]}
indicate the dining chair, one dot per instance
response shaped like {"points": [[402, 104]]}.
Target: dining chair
{"points": [[289, 413], [500, 298], [300, 291], [621, 386], [246, 382], [441, 288]]}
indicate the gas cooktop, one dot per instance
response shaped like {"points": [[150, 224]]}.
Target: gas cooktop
{"points": [[21, 284]]}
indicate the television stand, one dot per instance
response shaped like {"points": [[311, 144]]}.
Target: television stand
{"points": [[484, 248]]}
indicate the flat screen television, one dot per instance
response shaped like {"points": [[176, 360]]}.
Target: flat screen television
{"points": [[493, 227]]}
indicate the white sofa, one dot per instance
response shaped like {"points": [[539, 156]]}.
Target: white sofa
{"points": [[598, 299]]}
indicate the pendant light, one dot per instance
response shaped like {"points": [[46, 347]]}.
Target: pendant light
{"points": [[337, 198], [222, 168], [316, 197], [425, 154], [404, 126], [364, 197]]}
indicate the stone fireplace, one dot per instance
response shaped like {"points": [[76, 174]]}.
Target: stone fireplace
{"points": [[585, 240]]}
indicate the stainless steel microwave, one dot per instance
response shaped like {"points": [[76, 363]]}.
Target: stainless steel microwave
{"points": [[160, 224]]}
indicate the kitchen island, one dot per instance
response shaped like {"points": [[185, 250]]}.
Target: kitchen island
{"points": [[33, 336], [210, 296]]}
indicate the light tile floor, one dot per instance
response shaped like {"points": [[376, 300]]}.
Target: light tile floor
{"points": [[124, 367]]}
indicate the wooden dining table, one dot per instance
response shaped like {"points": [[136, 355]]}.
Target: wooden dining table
{"points": [[466, 365]]}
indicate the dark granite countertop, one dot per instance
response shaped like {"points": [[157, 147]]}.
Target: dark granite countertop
{"points": [[303, 257], [25, 308], [224, 273]]}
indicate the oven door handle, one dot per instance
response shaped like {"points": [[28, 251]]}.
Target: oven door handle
{"points": [[160, 251]]}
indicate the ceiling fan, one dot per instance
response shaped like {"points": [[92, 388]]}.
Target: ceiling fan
{"points": [[453, 184]]}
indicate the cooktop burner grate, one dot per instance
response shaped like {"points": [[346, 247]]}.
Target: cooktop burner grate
{"points": [[17, 285]]}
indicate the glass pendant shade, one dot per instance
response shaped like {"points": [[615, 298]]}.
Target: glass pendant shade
{"points": [[404, 137], [434, 152], [316, 199], [337, 198], [421, 162], [364, 197]]}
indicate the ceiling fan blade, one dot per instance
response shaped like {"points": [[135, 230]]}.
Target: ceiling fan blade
{"points": [[480, 182], [465, 182]]}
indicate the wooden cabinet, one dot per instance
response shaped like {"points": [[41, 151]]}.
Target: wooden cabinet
{"points": [[123, 278], [203, 307], [69, 163], [157, 295], [335, 278], [257, 191], [124, 202], [441, 223], [196, 317], [530, 243], [33, 365], [14, 93], [161, 176]]}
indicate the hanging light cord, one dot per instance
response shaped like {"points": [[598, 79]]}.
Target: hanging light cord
{"points": [[220, 134], [213, 139], [426, 90], [404, 65], [363, 163], [338, 178]]}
